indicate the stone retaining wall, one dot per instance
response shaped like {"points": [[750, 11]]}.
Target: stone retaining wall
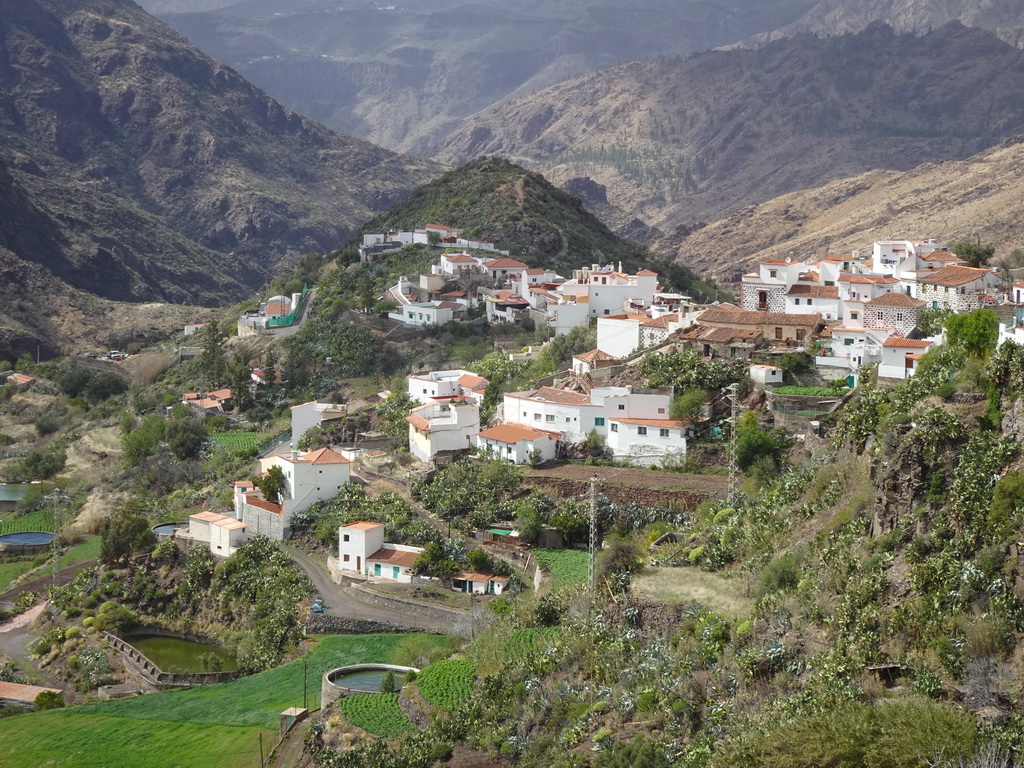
{"points": [[156, 676], [413, 607], [322, 624], [330, 692]]}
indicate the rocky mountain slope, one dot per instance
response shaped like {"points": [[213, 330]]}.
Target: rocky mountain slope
{"points": [[135, 168], [687, 139], [406, 75], [834, 17], [980, 197]]}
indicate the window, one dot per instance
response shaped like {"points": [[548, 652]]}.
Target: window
{"points": [[853, 315], [899, 317], [772, 273], [661, 410], [797, 302], [878, 315], [344, 536], [614, 427], [800, 333], [549, 417], [622, 407], [830, 282], [536, 417], [344, 559], [566, 419], [663, 432], [848, 342], [599, 421], [641, 430], [809, 302], [607, 311]]}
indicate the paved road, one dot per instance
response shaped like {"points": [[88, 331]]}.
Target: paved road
{"points": [[340, 602]]}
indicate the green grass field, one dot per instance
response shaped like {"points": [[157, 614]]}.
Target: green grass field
{"points": [[40, 520], [239, 442], [447, 683], [216, 725], [376, 713], [564, 566], [10, 571]]}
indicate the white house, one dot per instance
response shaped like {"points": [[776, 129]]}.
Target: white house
{"points": [[608, 290], [515, 443], [314, 414], [803, 298], [619, 335], [442, 427], [362, 551], [427, 313], [445, 385], [574, 415], [646, 441], [960, 289], [851, 348], [223, 534], [585, 362], [900, 356], [309, 478], [897, 311], [765, 290], [505, 269], [763, 375], [479, 583]]}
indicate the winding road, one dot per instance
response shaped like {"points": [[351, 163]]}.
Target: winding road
{"points": [[338, 601]]}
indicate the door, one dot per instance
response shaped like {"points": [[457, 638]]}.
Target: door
{"points": [[394, 572], [376, 569]]}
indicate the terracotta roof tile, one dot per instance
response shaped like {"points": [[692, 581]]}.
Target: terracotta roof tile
{"points": [[897, 341], [594, 356], [363, 526], [277, 308], [895, 299], [20, 692], [646, 273], [747, 317], [325, 456], [460, 258], [472, 381], [506, 263], [663, 423], [815, 291], [393, 557], [953, 275], [514, 433], [847, 277], [660, 322]]}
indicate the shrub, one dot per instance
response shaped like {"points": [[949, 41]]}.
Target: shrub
{"points": [[781, 574], [447, 683]]}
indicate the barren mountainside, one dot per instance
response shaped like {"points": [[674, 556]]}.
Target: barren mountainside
{"points": [[981, 197], [681, 140], [834, 17], [404, 75], [135, 168]]}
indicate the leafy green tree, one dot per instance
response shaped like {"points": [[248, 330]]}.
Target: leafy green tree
{"points": [[686, 369], [125, 533], [143, 441], [213, 360], [272, 484], [1017, 255], [311, 439], [562, 347], [48, 700], [754, 444], [479, 561], [185, 436], [688, 405], [571, 520], [933, 320], [976, 333], [975, 254], [392, 412]]}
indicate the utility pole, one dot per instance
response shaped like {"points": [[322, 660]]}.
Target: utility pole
{"points": [[56, 497], [593, 532], [734, 412]]}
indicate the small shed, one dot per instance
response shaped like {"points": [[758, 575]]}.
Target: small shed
{"points": [[763, 375]]}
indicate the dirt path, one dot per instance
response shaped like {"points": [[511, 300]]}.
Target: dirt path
{"points": [[289, 753], [16, 639], [338, 601], [645, 478]]}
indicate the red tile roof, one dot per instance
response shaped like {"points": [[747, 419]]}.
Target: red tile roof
{"points": [[220, 394], [418, 421], [941, 256], [277, 308], [552, 395], [536, 271], [514, 433], [955, 276], [19, 378], [646, 273], [450, 305], [460, 258], [660, 322], [747, 317], [22, 693], [594, 356], [325, 456], [777, 262], [472, 381], [439, 226], [815, 291], [506, 263], [663, 423], [361, 526], [897, 341], [895, 299], [263, 504], [393, 557], [846, 277]]}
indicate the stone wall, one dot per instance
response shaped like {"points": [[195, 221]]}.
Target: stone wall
{"points": [[682, 499], [330, 693], [261, 521], [453, 616], [322, 624]]}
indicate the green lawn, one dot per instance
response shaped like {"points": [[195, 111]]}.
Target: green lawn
{"points": [[239, 442], [563, 566], [77, 739], [10, 571], [216, 725]]}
